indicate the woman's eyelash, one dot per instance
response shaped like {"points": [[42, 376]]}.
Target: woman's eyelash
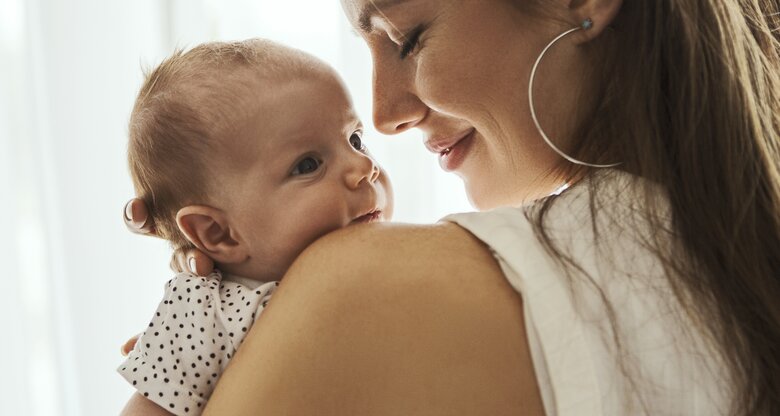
{"points": [[412, 40]]}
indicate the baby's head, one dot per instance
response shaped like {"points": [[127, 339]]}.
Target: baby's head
{"points": [[250, 151]]}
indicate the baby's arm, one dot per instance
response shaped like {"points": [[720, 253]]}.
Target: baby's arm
{"points": [[141, 406], [192, 336], [162, 365]]}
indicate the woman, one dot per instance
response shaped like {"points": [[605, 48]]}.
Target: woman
{"points": [[649, 286]]}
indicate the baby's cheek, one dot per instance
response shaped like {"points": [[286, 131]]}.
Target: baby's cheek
{"points": [[387, 188], [310, 216], [317, 221]]}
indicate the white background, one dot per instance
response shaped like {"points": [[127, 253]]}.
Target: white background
{"points": [[75, 283]]}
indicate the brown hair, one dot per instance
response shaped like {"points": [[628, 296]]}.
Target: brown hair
{"points": [[185, 105], [691, 102]]}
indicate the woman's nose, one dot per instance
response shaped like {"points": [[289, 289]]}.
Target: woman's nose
{"points": [[362, 168], [396, 107]]}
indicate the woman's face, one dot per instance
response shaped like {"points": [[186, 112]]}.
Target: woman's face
{"points": [[459, 70]]}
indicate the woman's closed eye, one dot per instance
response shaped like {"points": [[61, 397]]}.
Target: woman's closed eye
{"points": [[412, 42], [306, 166]]}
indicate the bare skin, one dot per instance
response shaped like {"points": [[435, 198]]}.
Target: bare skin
{"points": [[435, 330]]}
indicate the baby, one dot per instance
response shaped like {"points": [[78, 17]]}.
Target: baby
{"points": [[248, 151]]}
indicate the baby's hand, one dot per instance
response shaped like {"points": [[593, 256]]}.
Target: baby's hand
{"points": [[193, 261], [138, 221], [137, 218], [129, 345]]}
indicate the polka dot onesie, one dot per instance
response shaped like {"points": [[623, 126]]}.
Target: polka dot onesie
{"points": [[195, 331]]}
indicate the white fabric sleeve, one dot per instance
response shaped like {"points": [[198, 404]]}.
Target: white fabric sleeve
{"points": [[193, 334]]}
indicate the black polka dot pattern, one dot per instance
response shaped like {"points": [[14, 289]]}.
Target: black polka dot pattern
{"points": [[195, 331]]}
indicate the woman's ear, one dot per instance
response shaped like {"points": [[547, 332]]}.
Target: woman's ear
{"points": [[210, 231], [600, 12]]}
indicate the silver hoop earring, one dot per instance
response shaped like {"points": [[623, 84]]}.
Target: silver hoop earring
{"points": [[587, 24]]}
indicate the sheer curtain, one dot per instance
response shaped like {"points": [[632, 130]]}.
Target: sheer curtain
{"points": [[76, 283]]}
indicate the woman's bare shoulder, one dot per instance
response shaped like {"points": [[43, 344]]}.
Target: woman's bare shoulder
{"points": [[390, 248], [387, 319]]}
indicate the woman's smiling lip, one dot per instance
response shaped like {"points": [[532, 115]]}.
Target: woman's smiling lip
{"points": [[452, 157], [443, 145]]}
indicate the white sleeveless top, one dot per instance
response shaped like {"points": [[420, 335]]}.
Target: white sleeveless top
{"points": [[671, 369]]}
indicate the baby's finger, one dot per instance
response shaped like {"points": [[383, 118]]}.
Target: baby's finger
{"points": [[199, 263], [137, 218], [192, 261], [129, 345]]}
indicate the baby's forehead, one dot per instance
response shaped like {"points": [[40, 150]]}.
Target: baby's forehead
{"points": [[277, 63], [304, 96], [232, 68], [285, 114], [267, 81], [228, 99]]}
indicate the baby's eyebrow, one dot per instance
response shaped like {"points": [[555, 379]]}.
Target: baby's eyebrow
{"points": [[371, 9]]}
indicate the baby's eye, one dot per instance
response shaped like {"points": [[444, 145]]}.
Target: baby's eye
{"points": [[357, 142], [306, 166]]}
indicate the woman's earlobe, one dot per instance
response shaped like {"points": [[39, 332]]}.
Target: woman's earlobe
{"points": [[595, 16], [210, 231]]}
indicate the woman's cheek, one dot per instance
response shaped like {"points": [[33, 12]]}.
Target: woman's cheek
{"points": [[447, 86]]}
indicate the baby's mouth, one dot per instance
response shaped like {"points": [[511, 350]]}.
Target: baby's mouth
{"points": [[370, 217]]}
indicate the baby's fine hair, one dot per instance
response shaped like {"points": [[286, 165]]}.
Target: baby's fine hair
{"points": [[188, 102]]}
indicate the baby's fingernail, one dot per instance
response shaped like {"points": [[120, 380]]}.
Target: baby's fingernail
{"points": [[131, 217], [192, 265], [129, 211]]}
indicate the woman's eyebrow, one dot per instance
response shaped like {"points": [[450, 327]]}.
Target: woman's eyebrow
{"points": [[372, 8]]}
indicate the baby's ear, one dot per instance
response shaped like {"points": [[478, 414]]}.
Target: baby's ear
{"points": [[210, 231]]}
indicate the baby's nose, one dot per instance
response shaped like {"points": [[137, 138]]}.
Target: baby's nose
{"points": [[363, 168]]}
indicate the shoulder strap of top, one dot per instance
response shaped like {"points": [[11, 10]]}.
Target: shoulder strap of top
{"points": [[547, 304]]}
